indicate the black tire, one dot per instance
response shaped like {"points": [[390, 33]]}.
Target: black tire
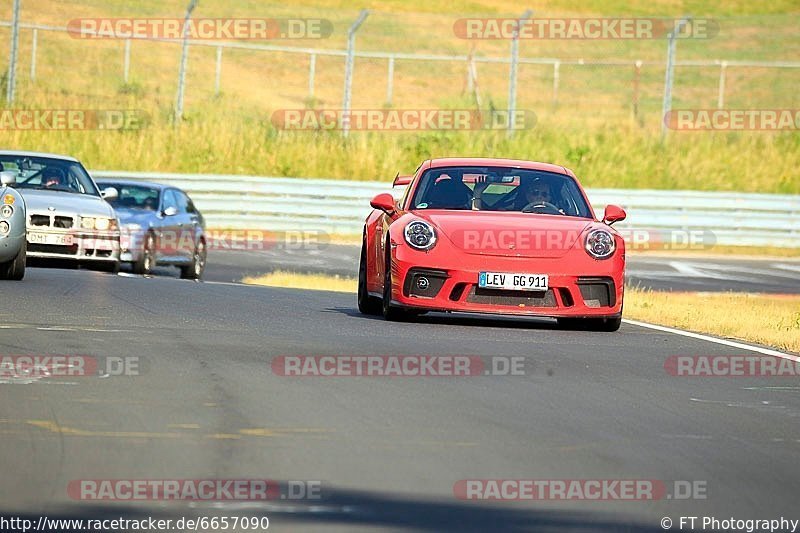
{"points": [[195, 269], [15, 269], [389, 311], [591, 324], [369, 305], [147, 262]]}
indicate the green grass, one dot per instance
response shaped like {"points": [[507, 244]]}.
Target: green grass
{"points": [[591, 128]]}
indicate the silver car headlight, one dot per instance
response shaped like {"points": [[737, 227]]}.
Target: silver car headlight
{"points": [[420, 235], [4, 227], [6, 211], [600, 244], [100, 224]]}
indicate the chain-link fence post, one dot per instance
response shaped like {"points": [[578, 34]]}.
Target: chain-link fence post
{"points": [[12, 60], [666, 106], [512, 76], [34, 45], [184, 57], [126, 64], [723, 67]]}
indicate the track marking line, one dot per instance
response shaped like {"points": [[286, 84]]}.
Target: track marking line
{"points": [[724, 342]]}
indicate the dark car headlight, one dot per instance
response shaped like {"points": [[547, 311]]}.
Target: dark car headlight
{"points": [[600, 244], [420, 235]]}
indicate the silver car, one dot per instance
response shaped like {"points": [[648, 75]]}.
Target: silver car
{"points": [[159, 225], [12, 229], [67, 216]]}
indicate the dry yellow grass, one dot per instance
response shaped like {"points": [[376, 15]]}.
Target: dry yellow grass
{"points": [[293, 280], [772, 320]]}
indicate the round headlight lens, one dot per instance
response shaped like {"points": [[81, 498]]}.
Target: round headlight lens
{"points": [[6, 211], [87, 222], [102, 224], [4, 227], [420, 235], [600, 244]]}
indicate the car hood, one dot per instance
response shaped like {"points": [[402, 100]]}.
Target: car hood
{"points": [[65, 202], [508, 233]]}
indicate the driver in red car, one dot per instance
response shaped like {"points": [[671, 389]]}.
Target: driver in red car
{"points": [[537, 194]]}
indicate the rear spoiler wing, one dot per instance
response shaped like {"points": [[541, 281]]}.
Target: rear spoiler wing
{"points": [[401, 180]]}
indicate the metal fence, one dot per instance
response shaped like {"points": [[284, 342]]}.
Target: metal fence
{"points": [[560, 68], [336, 206]]}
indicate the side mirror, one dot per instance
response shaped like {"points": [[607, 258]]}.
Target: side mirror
{"points": [[385, 202], [613, 213], [109, 193], [171, 211], [8, 177]]}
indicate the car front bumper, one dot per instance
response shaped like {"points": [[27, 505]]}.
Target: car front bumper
{"points": [[87, 246], [578, 287]]}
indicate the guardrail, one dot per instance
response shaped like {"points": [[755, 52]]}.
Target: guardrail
{"points": [[338, 206]]}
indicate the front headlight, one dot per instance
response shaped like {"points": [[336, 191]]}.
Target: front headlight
{"points": [[600, 244], [420, 235], [7, 211], [100, 224]]}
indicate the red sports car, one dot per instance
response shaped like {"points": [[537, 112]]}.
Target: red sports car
{"points": [[493, 236]]}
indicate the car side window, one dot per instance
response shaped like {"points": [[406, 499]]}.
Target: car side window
{"points": [[170, 200], [183, 202]]}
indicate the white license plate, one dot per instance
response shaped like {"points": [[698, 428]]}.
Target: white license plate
{"points": [[50, 238], [513, 281]]}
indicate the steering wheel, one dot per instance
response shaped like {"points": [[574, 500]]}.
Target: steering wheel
{"points": [[542, 207]]}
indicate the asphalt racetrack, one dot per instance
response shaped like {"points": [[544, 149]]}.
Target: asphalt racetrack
{"points": [[657, 272], [386, 452]]}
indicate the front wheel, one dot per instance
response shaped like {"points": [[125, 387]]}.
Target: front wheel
{"points": [[389, 311], [369, 305], [14, 269], [146, 263], [196, 268]]}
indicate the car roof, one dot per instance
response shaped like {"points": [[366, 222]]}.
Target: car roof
{"points": [[151, 184], [38, 154], [498, 162]]}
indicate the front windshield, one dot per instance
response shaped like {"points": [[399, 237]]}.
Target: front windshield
{"points": [[45, 173], [500, 189], [134, 196]]}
